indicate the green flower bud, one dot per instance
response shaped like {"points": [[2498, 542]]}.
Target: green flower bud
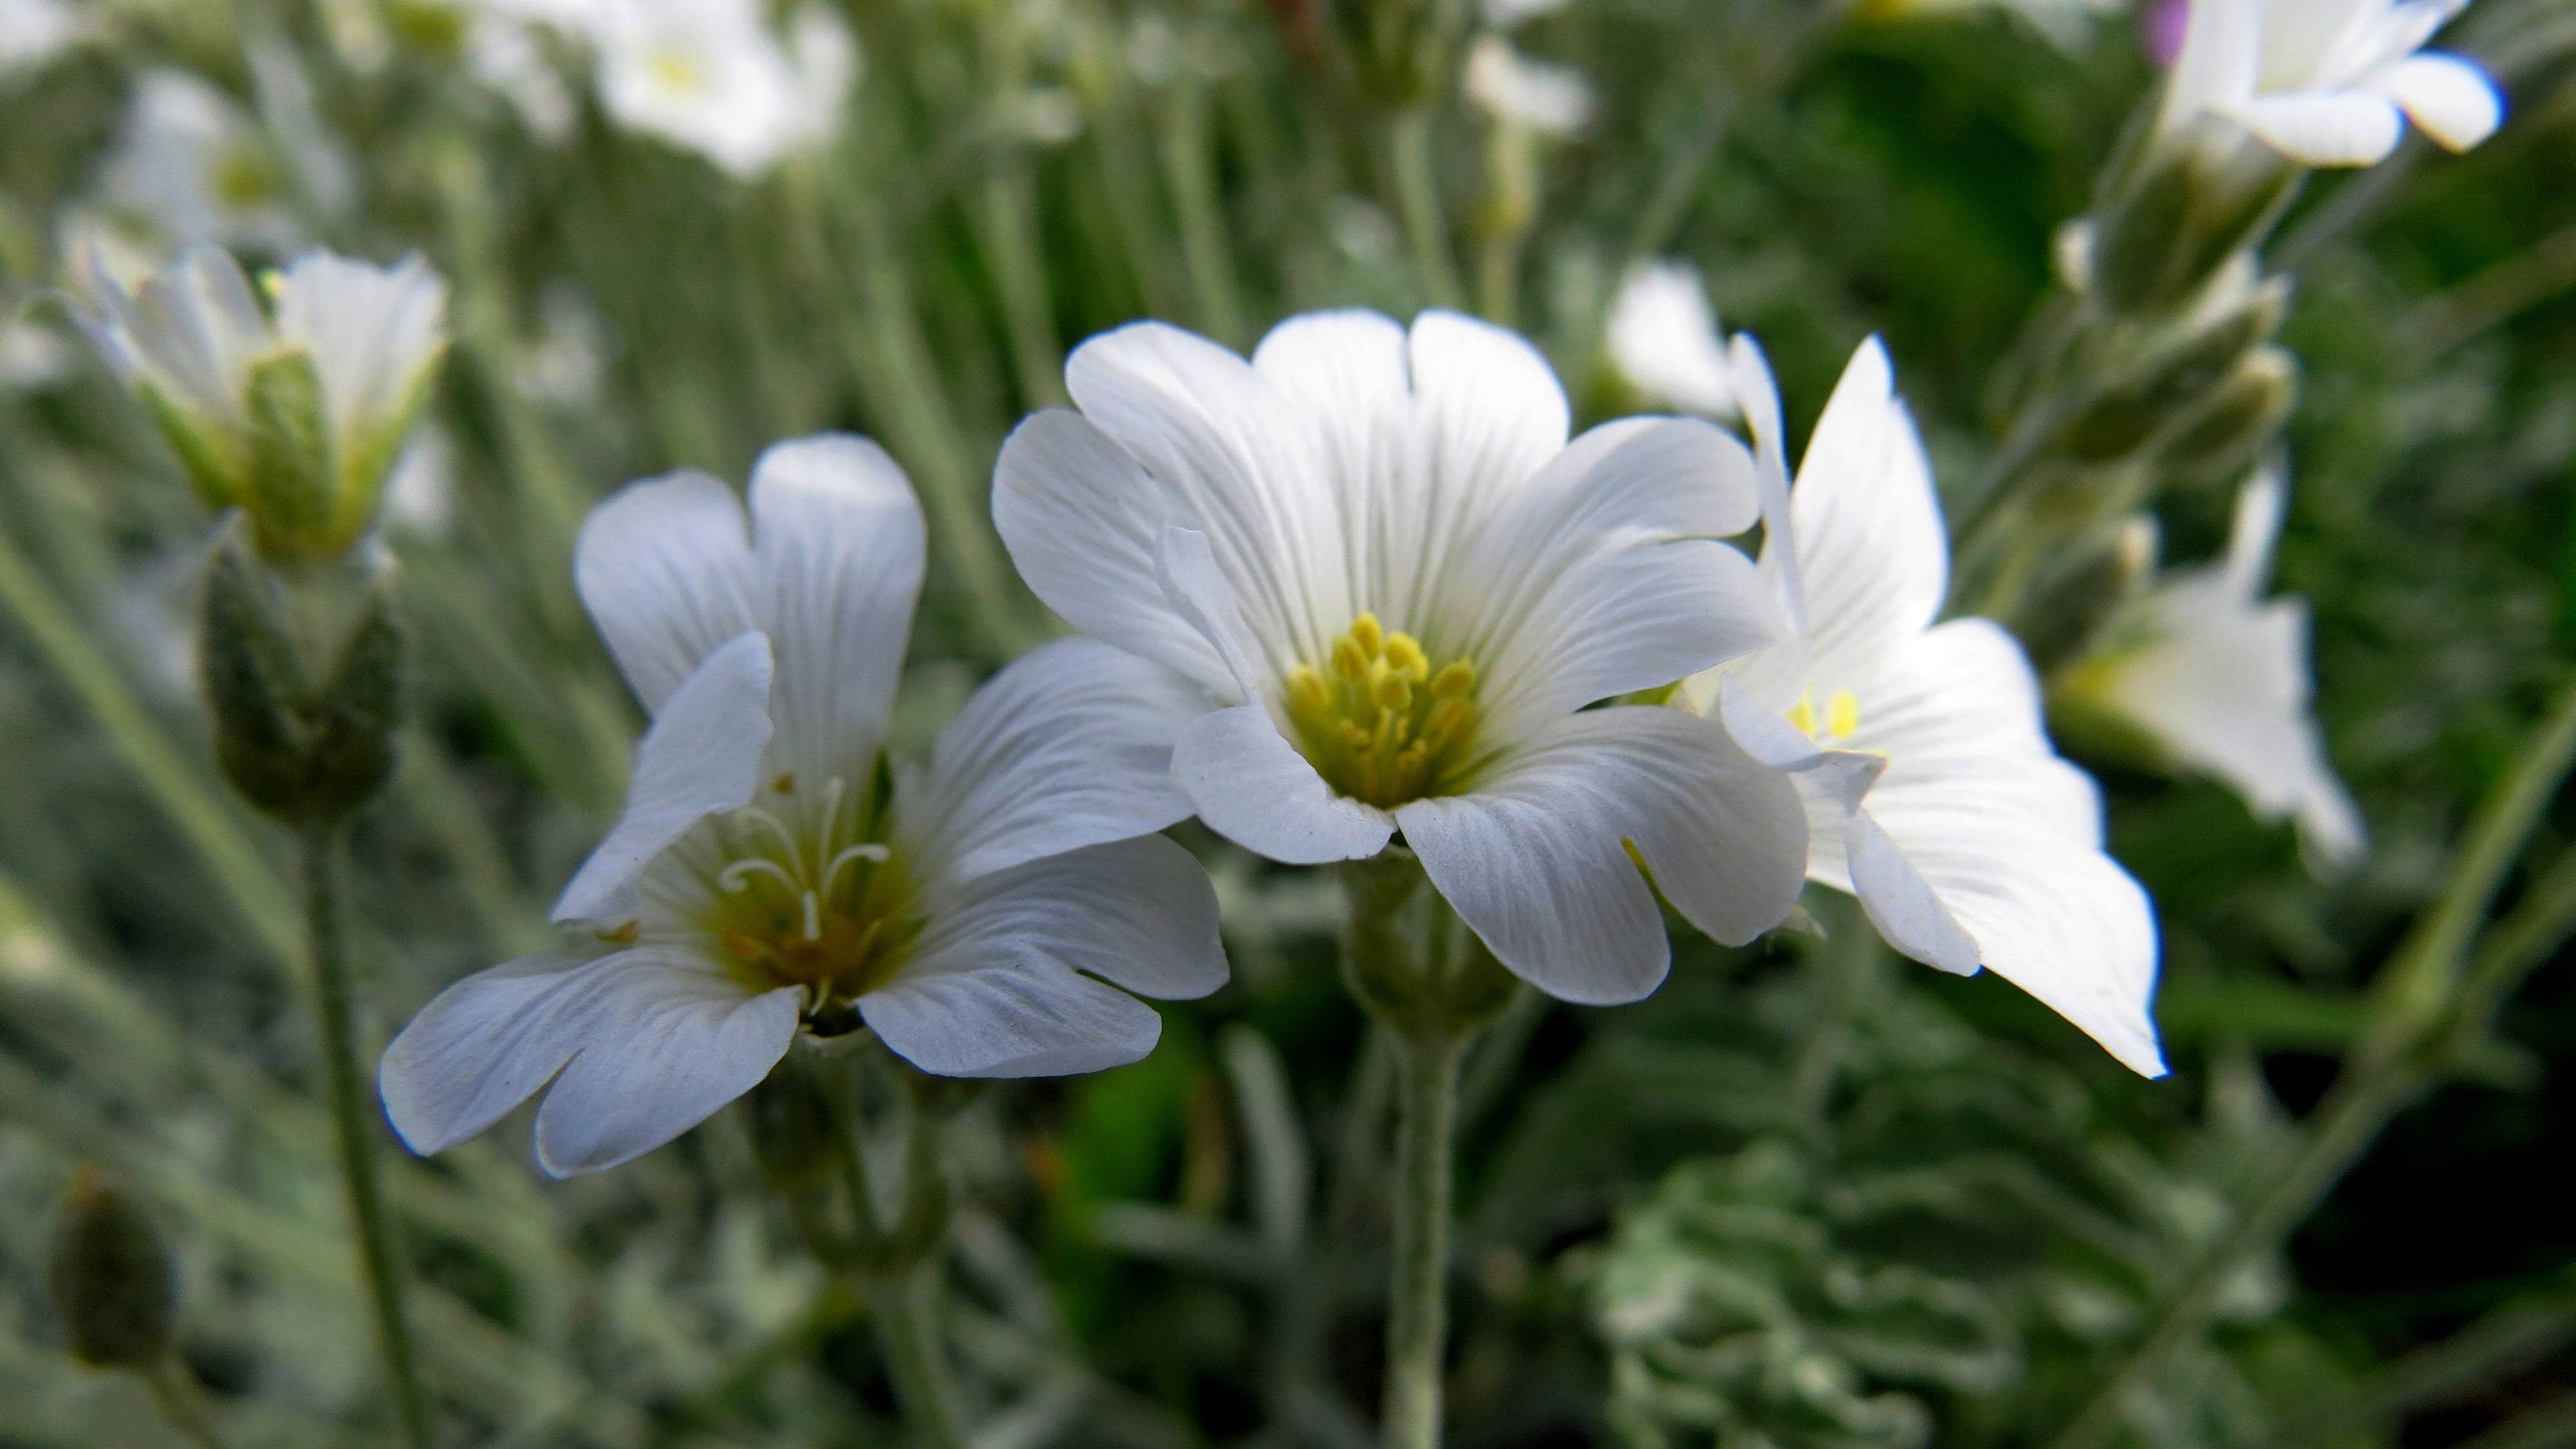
{"points": [[2184, 206], [305, 753], [112, 1277], [2067, 608], [2238, 419]]}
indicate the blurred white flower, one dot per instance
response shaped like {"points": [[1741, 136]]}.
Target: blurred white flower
{"points": [[772, 876], [356, 344], [2067, 24], [504, 55], [1505, 14], [1662, 337], [198, 168], [1400, 586], [2328, 82], [420, 497], [1932, 791], [564, 365], [713, 77], [2216, 676], [31, 356], [1549, 99], [36, 33]]}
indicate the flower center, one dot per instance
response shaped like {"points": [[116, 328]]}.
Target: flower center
{"points": [[677, 70], [1378, 722], [825, 908], [1841, 721]]}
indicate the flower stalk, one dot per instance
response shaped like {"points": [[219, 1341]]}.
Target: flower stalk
{"points": [[353, 1127], [1418, 971]]}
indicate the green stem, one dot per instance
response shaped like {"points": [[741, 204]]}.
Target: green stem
{"points": [[1189, 169], [905, 1306], [335, 1003], [1425, 1148], [1417, 203], [2413, 1038]]}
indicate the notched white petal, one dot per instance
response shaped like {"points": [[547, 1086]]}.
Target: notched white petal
{"points": [[701, 757]]}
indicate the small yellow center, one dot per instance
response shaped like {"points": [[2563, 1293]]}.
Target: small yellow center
{"points": [[824, 908], [1379, 723], [1842, 715], [677, 70]]}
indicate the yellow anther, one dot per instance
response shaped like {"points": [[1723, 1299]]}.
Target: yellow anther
{"points": [[1369, 634], [1378, 721], [1803, 715], [1842, 715], [1404, 655], [272, 284], [625, 933], [785, 784], [1307, 692]]}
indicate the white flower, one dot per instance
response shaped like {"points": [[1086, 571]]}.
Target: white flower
{"points": [[1663, 338], [2328, 82], [1932, 791], [357, 343], [2066, 24], [1552, 100], [36, 33], [711, 76], [31, 356], [1507, 14], [420, 496], [505, 56], [1401, 586], [193, 164], [2217, 677], [773, 875]]}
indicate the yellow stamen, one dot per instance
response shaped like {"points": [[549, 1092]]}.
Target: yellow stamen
{"points": [[1803, 715], [1842, 715], [1379, 723]]}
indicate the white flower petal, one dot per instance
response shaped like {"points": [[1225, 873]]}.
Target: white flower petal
{"points": [[1250, 785], [666, 570], [2066, 925], [1186, 568], [372, 330], [481, 1047], [1069, 746], [1601, 576], [2222, 52], [666, 1041], [701, 757], [1031, 1018], [2326, 128], [1492, 412], [1909, 915], [998, 989], [1873, 557], [2454, 101], [1138, 913], [839, 539], [1957, 713], [1230, 462], [1536, 860], [1083, 524]]}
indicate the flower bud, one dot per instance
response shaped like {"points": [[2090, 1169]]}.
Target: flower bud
{"points": [[292, 414], [2192, 359], [112, 1277], [2240, 416], [2186, 204], [2068, 607], [305, 753]]}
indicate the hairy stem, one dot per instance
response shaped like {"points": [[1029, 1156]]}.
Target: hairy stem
{"points": [[335, 1004], [906, 1309], [1417, 1320]]}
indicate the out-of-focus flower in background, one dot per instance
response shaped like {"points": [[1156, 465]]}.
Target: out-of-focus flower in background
{"points": [[713, 76], [1400, 585], [1536, 95], [2328, 82], [2208, 675], [2065, 23], [196, 167], [1663, 338], [293, 415], [36, 33], [772, 876], [1933, 794]]}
